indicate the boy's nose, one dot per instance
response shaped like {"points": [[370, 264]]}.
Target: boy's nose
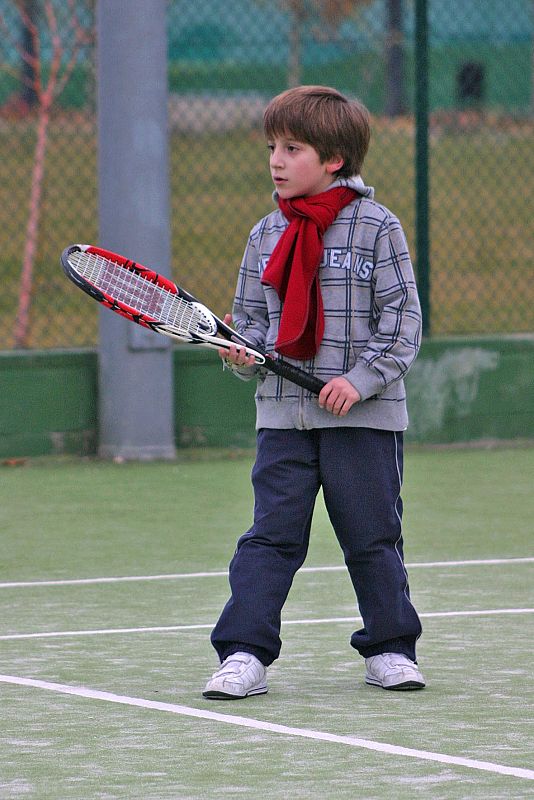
{"points": [[276, 157]]}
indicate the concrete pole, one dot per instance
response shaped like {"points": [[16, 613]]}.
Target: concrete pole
{"points": [[135, 365]]}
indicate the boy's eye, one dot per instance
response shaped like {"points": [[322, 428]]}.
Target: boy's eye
{"points": [[291, 148]]}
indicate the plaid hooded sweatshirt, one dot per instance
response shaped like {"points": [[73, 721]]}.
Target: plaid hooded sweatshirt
{"points": [[372, 318]]}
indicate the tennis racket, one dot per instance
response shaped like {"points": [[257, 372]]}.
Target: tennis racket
{"points": [[153, 301]]}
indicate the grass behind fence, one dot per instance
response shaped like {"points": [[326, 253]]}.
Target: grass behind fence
{"points": [[481, 255]]}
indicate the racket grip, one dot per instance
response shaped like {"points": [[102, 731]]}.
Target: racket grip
{"points": [[294, 374]]}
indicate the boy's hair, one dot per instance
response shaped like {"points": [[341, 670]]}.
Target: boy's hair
{"points": [[324, 118]]}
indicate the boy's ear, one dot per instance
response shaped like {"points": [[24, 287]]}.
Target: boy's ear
{"points": [[335, 164]]}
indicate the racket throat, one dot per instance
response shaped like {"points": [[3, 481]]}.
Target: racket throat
{"points": [[205, 323]]}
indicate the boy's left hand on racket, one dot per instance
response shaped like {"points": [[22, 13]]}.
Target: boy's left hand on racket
{"points": [[236, 354], [338, 396]]}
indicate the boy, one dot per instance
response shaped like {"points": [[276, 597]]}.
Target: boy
{"points": [[326, 280]]}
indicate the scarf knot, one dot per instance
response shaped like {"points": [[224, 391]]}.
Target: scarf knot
{"points": [[292, 269]]}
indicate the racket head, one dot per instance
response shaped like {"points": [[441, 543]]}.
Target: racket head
{"points": [[98, 272]]}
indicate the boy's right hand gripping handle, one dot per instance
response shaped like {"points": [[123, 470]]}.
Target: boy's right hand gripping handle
{"points": [[294, 374]]}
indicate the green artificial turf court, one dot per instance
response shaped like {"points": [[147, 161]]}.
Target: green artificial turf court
{"points": [[111, 576]]}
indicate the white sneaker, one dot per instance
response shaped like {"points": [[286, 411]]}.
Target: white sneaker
{"points": [[393, 671], [240, 675]]}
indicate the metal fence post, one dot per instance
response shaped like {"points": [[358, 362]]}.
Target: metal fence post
{"points": [[135, 366], [422, 211]]}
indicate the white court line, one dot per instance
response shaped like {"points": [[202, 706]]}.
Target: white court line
{"points": [[224, 573], [209, 625], [271, 727]]}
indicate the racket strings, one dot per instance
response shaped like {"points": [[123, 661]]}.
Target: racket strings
{"points": [[146, 298]]}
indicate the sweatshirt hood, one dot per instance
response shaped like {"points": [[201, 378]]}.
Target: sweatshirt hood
{"points": [[355, 182]]}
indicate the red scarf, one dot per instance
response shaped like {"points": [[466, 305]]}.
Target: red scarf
{"points": [[293, 268]]}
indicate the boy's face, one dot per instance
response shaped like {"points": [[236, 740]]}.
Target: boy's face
{"points": [[296, 168]]}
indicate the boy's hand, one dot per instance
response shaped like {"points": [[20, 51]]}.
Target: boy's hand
{"points": [[236, 355], [338, 396]]}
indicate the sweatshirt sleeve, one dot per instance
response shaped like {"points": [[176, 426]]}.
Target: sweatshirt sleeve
{"points": [[396, 316], [249, 311]]}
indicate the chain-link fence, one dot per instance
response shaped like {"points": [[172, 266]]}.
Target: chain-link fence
{"points": [[226, 59]]}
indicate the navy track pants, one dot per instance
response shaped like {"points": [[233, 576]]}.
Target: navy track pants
{"points": [[360, 472]]}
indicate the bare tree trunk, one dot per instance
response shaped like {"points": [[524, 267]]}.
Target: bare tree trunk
{"points": [[59, 73], [28, 94], [32, 228], [294, 67]]}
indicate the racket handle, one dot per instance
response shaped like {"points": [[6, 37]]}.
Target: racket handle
{"points": [[294, 374]]}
